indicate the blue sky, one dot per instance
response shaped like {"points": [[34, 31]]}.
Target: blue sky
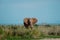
{"points": [[14, 11]]}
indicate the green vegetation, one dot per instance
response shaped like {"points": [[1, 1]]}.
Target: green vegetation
{"points": [[52, 36], [17, 32]]}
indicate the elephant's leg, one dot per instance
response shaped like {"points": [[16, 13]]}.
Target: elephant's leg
{"points": [[26, 25], [31, 25]]}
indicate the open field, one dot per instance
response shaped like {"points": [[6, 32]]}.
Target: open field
{"points": [[50, 39], [40, 32]]}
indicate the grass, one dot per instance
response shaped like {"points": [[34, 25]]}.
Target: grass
{"points": [[17, 32], [19, 38], [52, 36]]}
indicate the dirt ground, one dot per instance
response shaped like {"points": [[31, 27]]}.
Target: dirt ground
{"points": [[51, 39]]}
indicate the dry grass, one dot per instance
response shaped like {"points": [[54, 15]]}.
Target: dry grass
{"points": [[53, 30], [22, 32]]}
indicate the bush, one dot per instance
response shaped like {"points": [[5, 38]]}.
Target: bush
{"points": [[28, 33], [1, 30], [35, 33]]}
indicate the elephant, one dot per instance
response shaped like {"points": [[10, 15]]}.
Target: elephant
{"points": [[29, 22]]}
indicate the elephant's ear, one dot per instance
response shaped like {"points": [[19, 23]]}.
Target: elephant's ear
{"points": [[26, 20], [34, 20]]}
